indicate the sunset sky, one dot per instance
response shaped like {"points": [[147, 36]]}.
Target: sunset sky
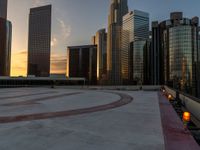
{"points": [[75, 21]]}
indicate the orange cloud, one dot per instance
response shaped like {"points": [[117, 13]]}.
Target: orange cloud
{"points": [[58, 64], [19, 63], [54, 42]]}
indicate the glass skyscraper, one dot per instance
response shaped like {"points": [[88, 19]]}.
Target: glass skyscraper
{"points": [[118, 9], [135, 33], [39, 41], [179, 47], [138, 60]]}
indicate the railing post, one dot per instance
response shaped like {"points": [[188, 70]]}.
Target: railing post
{"points": [[178, 98]]}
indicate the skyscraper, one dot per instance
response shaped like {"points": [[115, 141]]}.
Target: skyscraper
{"points": [[39, 42], [118, 9], [3, 9], [5, 46], [5, 40], [198, 68], [157, 68], [135, 33], [199, 41], [178, 44], [100, 39], [82, 62]]}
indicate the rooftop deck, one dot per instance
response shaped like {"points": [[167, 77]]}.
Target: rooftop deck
{"points": [[73, 119]]}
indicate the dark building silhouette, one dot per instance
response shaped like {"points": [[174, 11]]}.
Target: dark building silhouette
{"points": [[156, 58], [198, 68], [39, 41], [5, 40], [147, 63], [100, 40], [82, 62], [176, 42], [3, 9], [5, 47]]}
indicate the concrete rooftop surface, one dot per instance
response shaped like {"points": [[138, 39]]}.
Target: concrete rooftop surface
{"points": [[81, 119]]}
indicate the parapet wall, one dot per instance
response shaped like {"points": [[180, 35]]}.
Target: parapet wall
{"points": [[190, 103]]}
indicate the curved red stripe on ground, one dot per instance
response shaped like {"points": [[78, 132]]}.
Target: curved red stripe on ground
{"points": [[35, 101], [124, 99]]}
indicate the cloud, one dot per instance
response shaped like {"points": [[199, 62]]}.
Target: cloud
{"points": [[19, 63], [54, 42], [37, 3], [23, 52], [65, 29], [58, 63]]}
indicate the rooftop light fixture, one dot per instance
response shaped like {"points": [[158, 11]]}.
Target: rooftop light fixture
{"points": [[169, 97], [186, 119]]}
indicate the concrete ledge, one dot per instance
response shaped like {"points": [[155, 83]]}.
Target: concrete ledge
{"points": [[174, 134], [190, 103], [122, 88]]}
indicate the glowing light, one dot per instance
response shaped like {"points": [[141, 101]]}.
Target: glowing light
{"points": [[170, 97], [186, 116]]}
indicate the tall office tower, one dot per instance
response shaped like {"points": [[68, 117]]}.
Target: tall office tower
{"points": [[135, 30], [82, 62], [179, 47], [140, 61], [3, 8], [5, 40], [39, 42], [147, 63], [198, 68], [101, 41], [199, 41], [5, 46], [118, 9], [156, 56]]}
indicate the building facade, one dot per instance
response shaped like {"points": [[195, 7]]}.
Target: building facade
{"points": [[39, 41], [198, 69], [135, 33], [179, 49], [199, 43], [5, 47], [156, 58], [118, 9], [82, 63], [140, 62], [3, 9], [5, 40], [100, 40]]}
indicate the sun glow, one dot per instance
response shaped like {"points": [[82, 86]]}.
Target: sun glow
{"points": [[19, 63]]}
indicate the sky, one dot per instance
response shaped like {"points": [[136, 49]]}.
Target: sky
{"points": [[74, 22]]}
